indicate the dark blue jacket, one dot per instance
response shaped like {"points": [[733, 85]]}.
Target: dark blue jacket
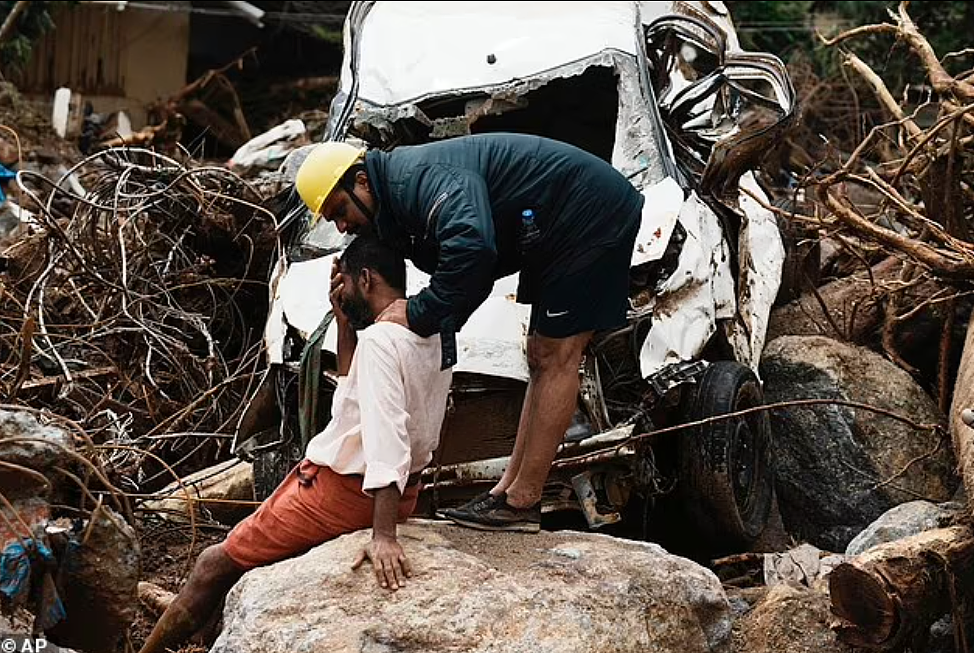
{"points": [[454, 208]]}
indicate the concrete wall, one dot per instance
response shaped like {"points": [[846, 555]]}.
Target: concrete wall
{"points": [[113, 59], [153, 52]]}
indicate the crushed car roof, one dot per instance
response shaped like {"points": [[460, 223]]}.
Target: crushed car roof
{"points": [[470, 45]]}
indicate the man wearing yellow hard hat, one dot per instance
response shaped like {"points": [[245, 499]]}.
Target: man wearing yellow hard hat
{"points": [[471, 210]]}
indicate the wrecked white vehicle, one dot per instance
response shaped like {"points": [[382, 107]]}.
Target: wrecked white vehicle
{"points": [[663, 92]]}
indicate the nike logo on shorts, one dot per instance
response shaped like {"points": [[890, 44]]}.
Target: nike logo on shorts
{"points": [[548, 313]]}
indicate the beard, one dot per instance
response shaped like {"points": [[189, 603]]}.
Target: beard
{"points": [[357, 311]]}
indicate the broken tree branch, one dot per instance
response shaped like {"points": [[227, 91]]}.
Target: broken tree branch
{"points": [[882, 93], [11, 20], [943, 82], [882, 28], [947, 264]]}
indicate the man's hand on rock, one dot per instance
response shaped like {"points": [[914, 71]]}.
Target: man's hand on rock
{"points": [[388, 561]]}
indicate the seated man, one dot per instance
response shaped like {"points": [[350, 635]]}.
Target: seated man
{"points": [[362, 470]]}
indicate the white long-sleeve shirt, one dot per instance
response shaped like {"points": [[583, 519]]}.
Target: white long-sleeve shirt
{"points": [[387, 413]]}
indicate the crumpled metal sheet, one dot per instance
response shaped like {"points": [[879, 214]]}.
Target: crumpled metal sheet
{"points": [[482, 44], [275, 328], [684, 313], [663, 202], [637, 152], [762, 256], [701, 291]]}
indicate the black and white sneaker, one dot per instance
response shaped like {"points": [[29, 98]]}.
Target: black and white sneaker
{"points": [[493, 513], [473, 504]]}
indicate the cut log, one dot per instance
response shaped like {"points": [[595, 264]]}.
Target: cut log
{"points": [[224, 492], [961, 433], [892, 593], [849, 309]]}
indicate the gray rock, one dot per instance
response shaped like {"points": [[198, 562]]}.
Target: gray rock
{"points": [[901, 521], [838, 468], [739, 606], [942, 636], [474, 591], [8, 221], [27, 443], [804, 565], [292, 162]]}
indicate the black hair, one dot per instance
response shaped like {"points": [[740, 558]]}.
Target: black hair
{"points": [[367, 251]]}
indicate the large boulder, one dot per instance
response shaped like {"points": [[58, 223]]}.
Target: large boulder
{"points": [[473, 591], [838, 468]]}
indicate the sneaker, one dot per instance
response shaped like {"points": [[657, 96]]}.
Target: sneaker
{"points": [[495, 514], [476, 504]]}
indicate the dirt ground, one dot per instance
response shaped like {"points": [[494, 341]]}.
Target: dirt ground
{"points": [[168, 553], [29, 120]]}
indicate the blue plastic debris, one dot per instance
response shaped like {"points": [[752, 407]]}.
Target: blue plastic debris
{"points": [[15, 579], [14, 570], [5, 175]]}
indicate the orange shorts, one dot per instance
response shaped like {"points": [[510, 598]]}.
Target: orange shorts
{"points": [[312, 505]]}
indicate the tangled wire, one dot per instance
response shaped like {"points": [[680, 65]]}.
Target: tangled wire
{"points": [[136, 309]]}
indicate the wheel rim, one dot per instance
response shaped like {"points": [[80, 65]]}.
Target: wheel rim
{"points": [[747, 454]]}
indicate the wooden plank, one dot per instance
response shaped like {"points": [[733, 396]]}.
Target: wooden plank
{"points": [[101, 81], [89, 69]]}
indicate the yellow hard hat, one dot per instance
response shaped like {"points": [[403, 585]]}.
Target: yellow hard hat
{"points": [[320, 172]]}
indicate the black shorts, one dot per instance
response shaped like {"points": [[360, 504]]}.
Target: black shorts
{"points": [[594, 297]]}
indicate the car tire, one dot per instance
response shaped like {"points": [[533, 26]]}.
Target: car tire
{"points": [[726, 479]]}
